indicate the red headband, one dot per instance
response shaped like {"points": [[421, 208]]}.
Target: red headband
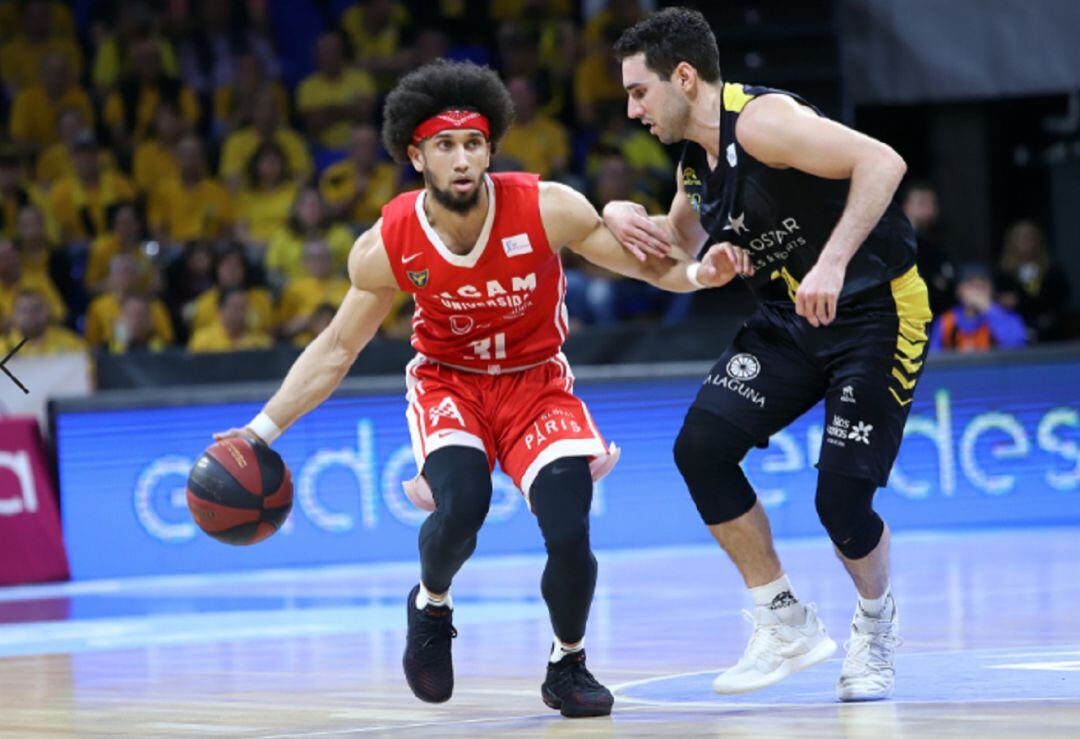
{"points": [[451, 120]]}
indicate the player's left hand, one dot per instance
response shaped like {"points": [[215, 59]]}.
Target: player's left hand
{"points": [[722, 263], [816, 298]]}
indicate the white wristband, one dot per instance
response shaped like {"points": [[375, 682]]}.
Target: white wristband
{"points": [[265, 428], [691, 275]]}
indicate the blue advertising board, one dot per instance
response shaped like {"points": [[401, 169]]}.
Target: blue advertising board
{"points": [[986, 445]]}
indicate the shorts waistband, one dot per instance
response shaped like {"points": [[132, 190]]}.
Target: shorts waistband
{"points": [[493, 369]]}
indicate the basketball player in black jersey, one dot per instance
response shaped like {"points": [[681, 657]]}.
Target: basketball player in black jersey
{"points": [[842, 316]]}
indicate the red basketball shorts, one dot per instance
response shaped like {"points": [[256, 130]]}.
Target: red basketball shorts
{"points": [[524, 420]]}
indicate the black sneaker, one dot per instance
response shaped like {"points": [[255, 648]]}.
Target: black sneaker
{"points": [[573, 691], [429, 669]]}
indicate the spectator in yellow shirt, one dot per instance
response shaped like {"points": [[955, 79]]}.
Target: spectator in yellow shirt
{"points": [[333, 96], [15, 192], [598, 79], [20, 58], [61, 19], [114, 59], [263, 206], [129, 110], [376, 29], [31, 321], [13, 282], [155, 158], [42, 260], [125, 236], [231, 270], [36, 108], [80, 201], [540, 143], [235, 103], [356, 188], [320, 319], [104, 312], [57, 162], [303, 296], [265, 126], [192, 206], [230, 332], [309, 222], [135, 330]]}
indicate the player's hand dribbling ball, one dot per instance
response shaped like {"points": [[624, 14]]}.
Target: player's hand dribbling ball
{"points": [[240, 490]]}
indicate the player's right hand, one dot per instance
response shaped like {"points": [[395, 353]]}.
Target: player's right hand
{"points": [[630, 224], [238, 433]]}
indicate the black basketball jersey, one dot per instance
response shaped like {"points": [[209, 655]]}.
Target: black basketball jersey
{"points": [[784, 217]]}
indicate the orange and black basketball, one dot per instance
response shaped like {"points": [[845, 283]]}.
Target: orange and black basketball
{"points": [[240, 491]]}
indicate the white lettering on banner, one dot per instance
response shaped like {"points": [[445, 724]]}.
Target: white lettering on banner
{"points": [[940, 432], [149, 480], [360, 462], [25, 500], [789, 459], [1069, 450], [1006, 422]]}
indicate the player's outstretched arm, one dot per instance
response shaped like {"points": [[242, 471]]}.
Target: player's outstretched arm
{"points": [[643, 234], [324, 363], [571, 221]]}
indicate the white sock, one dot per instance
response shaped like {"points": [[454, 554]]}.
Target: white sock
{"points": [[877, 607], [424, 598], [560, 650], [779, 597]]}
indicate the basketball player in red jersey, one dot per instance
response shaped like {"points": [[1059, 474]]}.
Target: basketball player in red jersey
{"points": [[479, 253]]}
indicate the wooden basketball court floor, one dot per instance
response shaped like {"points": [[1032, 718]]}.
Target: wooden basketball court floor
{"points": [[991, 621]]}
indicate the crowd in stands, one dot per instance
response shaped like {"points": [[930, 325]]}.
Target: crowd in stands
{"points": [[194, 172]]}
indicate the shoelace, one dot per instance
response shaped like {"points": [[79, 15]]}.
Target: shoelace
{"points": [[579, 676], [865, 647], [435, 631], [765, 642]]}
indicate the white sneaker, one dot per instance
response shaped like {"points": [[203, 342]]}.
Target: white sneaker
{"points": [[775, 651], [868, 670]]}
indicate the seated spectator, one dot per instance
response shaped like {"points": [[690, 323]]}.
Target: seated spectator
{"points": [[42, 262], [134, 328], [264, 204], [266, 126], [536, 140], [31, 321], [80, 202], [356, 188], [21, 57], [61, 19], [188, 276], [129, 111], [1030, 283], [13, 281], [920, 205], [598, 80], [125, 236], [308, 222], [192, 206], [303, 296], [642, 152], [231, 271], [977, 324], [156, 160], [231, 331], [235, 103], [57, 161], [17, 191], [103, 315], [620, 14], [119, 33], [334, 96], [519, 53], [376, 31], [36, 109], [221, 36], [319, 320]]}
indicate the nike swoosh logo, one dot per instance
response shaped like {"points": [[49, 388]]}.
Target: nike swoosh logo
{"points": [[406, 260]]}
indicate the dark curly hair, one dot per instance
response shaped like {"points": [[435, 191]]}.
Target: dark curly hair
{"points": [[672, 36], [444, 85]]}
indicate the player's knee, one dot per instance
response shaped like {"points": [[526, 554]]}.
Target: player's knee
{"points": [[561, 497], [845, 506], [708, 450], [460, 480]]}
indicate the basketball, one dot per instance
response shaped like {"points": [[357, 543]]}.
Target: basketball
{"points": [[240, 491]]}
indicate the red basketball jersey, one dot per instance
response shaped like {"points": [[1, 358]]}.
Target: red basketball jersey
{"points": [[497, 308]]}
